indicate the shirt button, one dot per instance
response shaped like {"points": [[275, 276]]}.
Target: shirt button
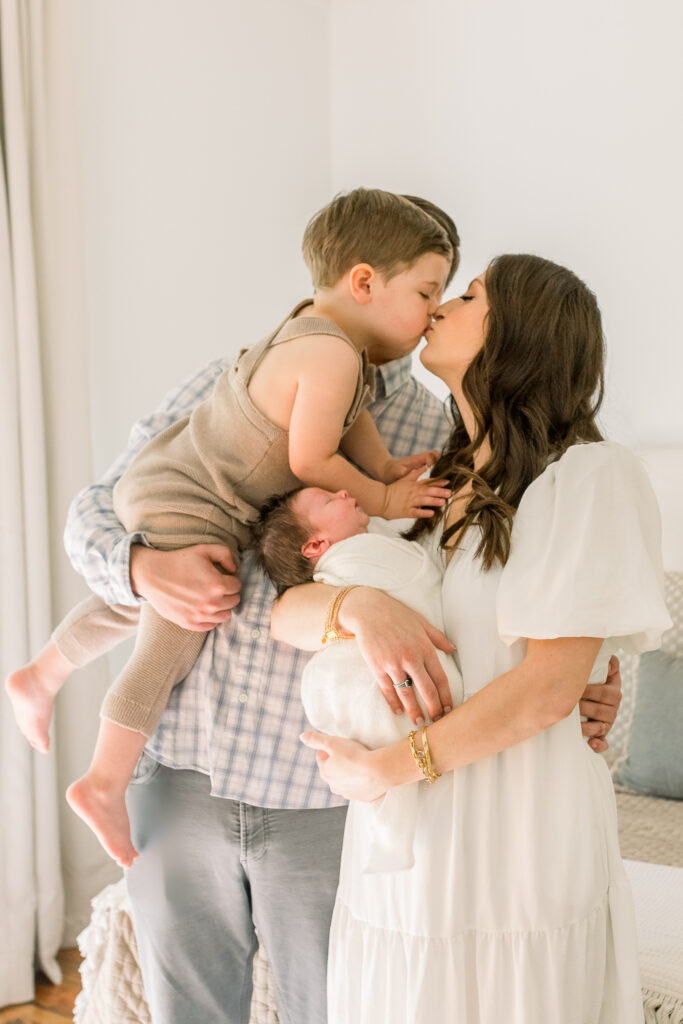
{"points": [[255, 633], [242, 698]]}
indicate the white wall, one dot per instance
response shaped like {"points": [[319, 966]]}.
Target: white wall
{"points": [[205, 148], [544, 127]]}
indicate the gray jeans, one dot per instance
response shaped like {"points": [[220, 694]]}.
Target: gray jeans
{"points": [[208, 872]]}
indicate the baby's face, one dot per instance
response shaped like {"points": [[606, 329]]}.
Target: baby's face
{"points": [[333, 517]]}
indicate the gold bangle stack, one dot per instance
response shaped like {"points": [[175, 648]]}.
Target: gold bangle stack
{"points": [[332, 632], [423, 758]]}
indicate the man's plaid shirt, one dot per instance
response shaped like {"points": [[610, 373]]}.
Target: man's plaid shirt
{"points": [[237, 717]]}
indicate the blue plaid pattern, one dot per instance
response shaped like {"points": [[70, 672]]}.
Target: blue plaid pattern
{"points": [[237, 717]]}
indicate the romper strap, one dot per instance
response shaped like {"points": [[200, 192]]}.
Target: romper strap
{"points": [[293, 327]]}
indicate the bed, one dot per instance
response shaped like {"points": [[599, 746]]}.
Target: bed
{"points": [[650, 828]]}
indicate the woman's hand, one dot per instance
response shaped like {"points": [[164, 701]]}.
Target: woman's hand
{"points": [[348, 768], [394, 640], [398, 644]]}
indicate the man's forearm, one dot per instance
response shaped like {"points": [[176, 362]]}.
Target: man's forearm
{"points": [[98, 546]]}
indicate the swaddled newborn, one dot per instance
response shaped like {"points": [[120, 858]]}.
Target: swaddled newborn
{"points": [[315, 534]]}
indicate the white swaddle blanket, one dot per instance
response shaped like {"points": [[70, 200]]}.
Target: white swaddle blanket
{"points": [[341, 696]]}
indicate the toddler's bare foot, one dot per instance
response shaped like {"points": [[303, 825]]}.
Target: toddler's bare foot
{"points": [[104, 810], [32, 700]]}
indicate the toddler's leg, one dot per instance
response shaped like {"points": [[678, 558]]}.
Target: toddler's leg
{"points": [[32, 690], [99, 796], [94, 628], [90, 629], [164, 654]]}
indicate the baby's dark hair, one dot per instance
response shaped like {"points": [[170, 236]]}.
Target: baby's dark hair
{"points": [[279, 535]]}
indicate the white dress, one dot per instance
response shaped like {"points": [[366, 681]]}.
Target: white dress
{"points": [[517, 908]]}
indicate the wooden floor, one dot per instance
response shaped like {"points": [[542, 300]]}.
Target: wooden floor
{"points": [[53, 1003]]}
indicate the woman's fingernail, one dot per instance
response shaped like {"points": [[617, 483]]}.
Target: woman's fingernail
{"points": [[420, 721], [447, 709], [398, 711]]}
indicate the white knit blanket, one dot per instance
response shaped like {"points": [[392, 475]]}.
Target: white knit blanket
{"points": [[112, 984], [112, 990]]}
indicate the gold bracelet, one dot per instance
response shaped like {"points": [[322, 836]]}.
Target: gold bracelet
{"points": [[423, 758], [428, 755], [332, 632]]}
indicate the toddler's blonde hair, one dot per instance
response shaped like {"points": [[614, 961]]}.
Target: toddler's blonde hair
{"points": [[368, 225]]}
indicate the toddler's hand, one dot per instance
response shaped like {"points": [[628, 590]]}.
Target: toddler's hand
{"points": [[414, 499], [396, 469]]}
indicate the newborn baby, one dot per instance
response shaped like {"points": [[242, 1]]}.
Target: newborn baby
{"points": [[312, 534]]}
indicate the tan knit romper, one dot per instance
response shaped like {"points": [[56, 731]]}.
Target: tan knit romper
{"points": [[201, 481]]}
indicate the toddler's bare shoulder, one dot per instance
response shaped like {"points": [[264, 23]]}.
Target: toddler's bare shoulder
{"points": [[326, 351]]}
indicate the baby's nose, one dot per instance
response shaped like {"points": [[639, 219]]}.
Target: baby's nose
{"points": [[342, 494]]}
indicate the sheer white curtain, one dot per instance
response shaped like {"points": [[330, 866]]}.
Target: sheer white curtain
{"points": [[30, 877], [44, 459]]}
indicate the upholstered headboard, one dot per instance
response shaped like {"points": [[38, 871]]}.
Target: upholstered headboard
{"points": [[665, 469]]}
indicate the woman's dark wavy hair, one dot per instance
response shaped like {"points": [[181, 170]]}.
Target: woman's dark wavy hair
{"points": [[534, 389]]}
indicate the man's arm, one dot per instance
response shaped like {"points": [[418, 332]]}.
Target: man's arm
{"points": [[100, 549]]}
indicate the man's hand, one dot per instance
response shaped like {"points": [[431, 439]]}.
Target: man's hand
{"points": [[194, 587], [397, 643], [600, 703]]}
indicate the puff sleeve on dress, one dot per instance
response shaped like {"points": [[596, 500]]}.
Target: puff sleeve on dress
{"points": [[586, 554]]}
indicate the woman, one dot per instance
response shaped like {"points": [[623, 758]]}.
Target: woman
{"points": [[517, 908]]}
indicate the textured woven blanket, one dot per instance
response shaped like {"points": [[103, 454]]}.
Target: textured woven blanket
{"points": [[112, 984], [650, 829], [112, 990]]}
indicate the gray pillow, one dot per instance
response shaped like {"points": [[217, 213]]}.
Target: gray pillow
{"points": [[654, 761]]}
